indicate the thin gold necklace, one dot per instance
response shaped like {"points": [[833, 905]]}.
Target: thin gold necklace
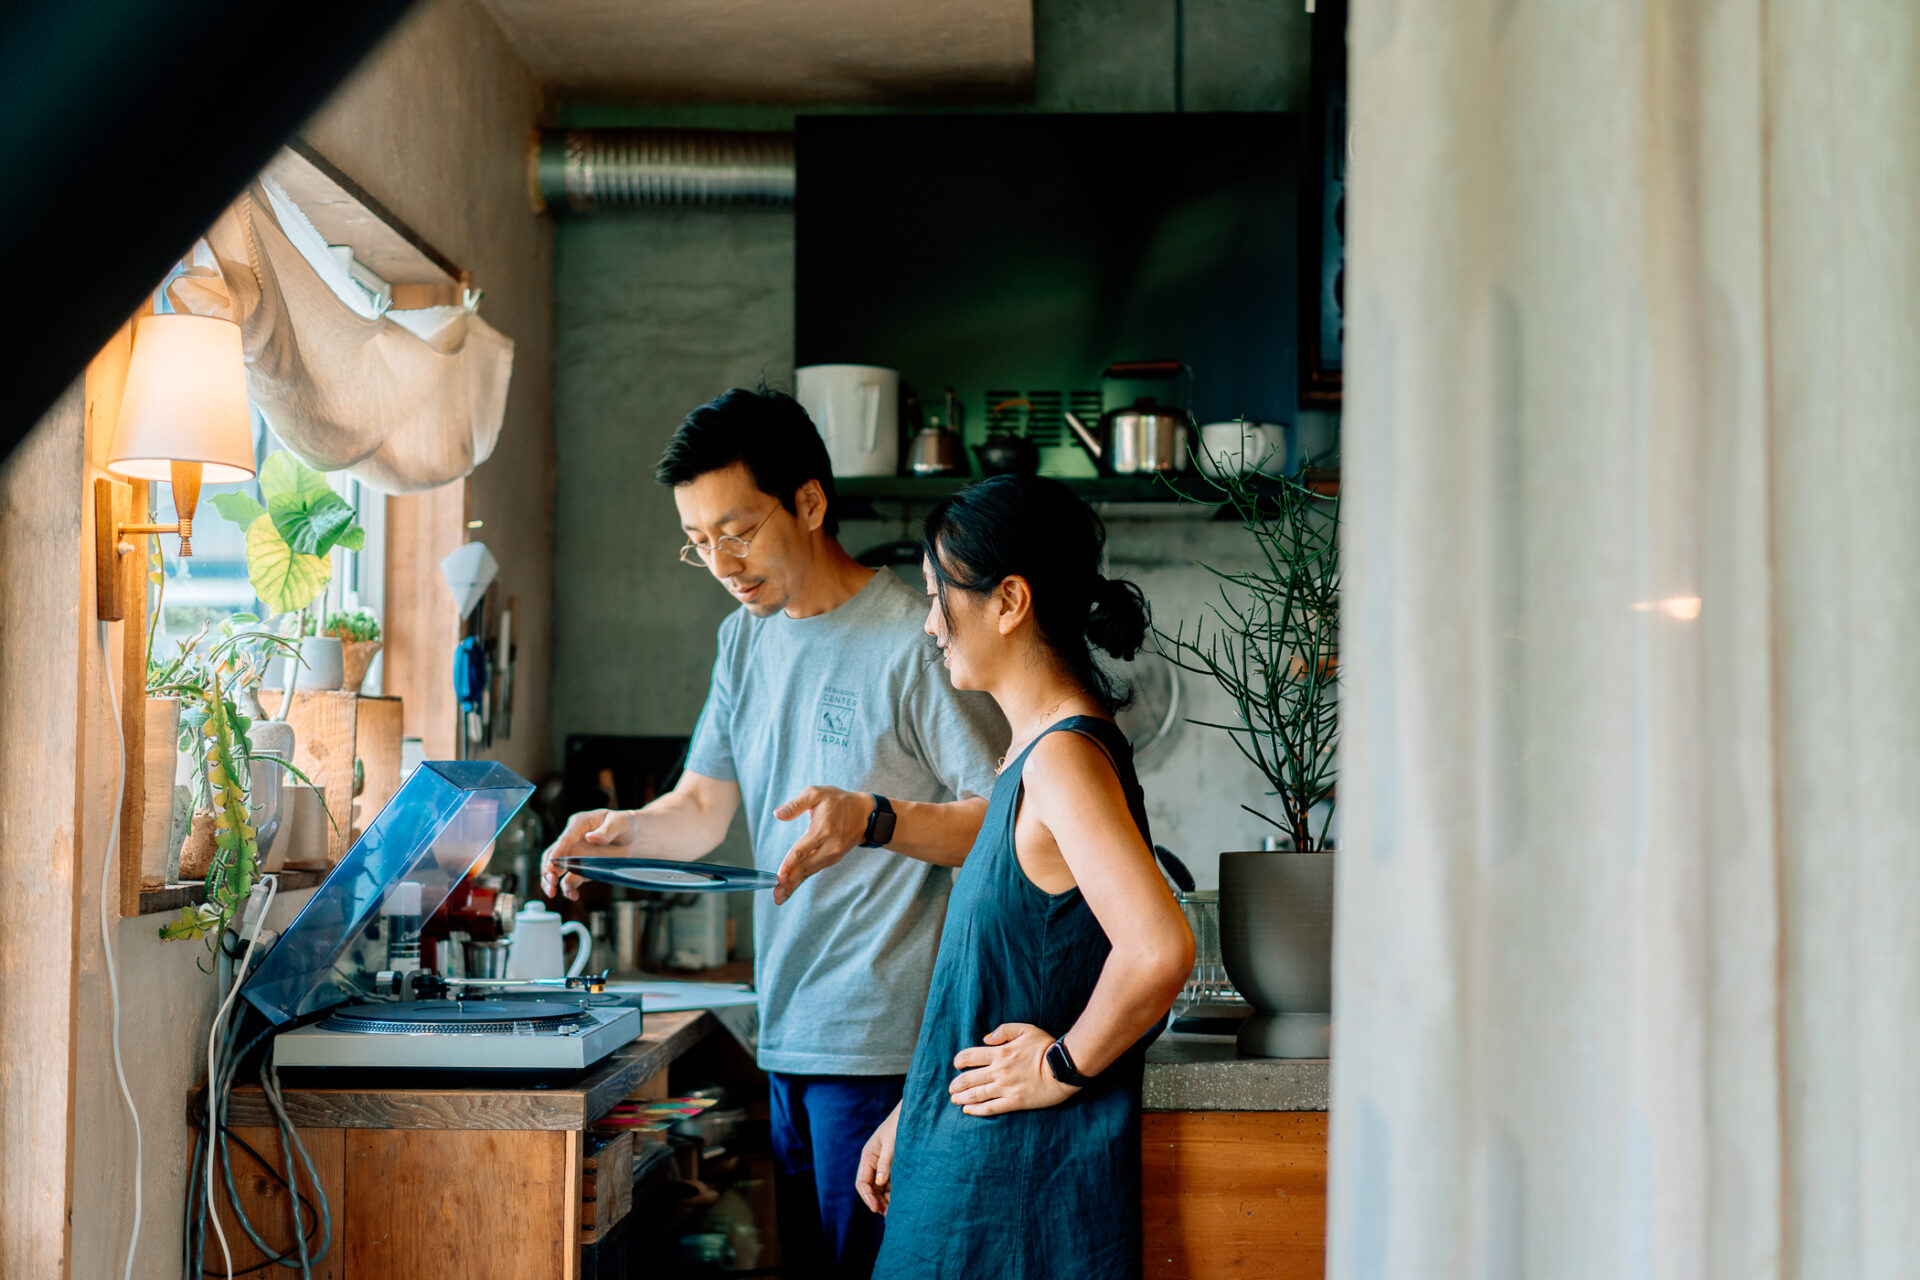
{"points": [[1045, 718]]}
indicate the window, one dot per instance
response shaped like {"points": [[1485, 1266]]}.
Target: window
{"points": [[211, 585]]}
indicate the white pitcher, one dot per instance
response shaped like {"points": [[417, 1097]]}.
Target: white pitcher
{"points": [[539, 949], [857, 409]]}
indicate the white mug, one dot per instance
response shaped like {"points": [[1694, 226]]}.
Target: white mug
{"points": [[539, 947], [1237, 448], [857, 410]]}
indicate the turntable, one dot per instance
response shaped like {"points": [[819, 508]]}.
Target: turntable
{"points": [[344, 984]]}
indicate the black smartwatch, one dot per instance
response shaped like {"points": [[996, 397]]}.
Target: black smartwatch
{"points": [[1060, 1062], [879, 824]]}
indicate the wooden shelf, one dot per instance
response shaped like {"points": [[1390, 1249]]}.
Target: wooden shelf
{"points": [[1190, 494], [166, 901]]}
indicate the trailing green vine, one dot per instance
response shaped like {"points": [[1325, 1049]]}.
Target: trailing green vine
{"points": [[224, 758]]}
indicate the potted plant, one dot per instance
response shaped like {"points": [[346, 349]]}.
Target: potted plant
{"points": [[359, 636], [288, 541], [1273, 645], [214, 730]]}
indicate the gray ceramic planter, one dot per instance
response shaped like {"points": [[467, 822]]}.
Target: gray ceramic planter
{"points": [[1276, 936]]}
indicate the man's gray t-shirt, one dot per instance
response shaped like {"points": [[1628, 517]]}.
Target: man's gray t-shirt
{"points": [[852, 698]]}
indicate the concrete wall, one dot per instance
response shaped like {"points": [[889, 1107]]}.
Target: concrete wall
{"points": [[434, 126], [657, 312]]}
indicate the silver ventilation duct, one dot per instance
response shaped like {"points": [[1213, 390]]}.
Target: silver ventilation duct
{"points": [[581, 170]]}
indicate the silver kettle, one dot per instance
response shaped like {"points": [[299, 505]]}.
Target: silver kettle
{"points": [[1145, 437]]}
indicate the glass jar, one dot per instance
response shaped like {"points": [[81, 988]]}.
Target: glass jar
{"points": [[1208, 984]]}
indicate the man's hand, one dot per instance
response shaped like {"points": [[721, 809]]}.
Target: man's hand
{"points": [[596, 831], [836, 822], [1008, 1073], [874, 1182]]}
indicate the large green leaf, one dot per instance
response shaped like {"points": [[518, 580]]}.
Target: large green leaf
{"points": [[283, 578], [312, 527], [239, 508], [283, 476], [305, 509]]}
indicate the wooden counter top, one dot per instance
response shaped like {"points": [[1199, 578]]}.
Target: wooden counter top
{"points": [[570, 1105]]}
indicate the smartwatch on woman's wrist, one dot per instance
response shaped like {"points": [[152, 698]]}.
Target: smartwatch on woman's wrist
{"points": [[879, 823], [1060, 1062]]}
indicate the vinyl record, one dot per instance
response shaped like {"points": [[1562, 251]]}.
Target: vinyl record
{"points": [[669, 877]]}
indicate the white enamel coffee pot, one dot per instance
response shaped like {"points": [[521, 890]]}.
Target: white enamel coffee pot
{"points": [[539, 950]]}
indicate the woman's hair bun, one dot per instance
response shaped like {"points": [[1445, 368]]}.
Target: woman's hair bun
{"points": [[1117, 621]]}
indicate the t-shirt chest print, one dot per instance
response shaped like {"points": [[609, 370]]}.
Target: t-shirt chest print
{"points": [[833, 723]]}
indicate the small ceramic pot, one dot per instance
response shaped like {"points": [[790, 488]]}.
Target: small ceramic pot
{"points": [[358, 655], [157, 850], [302, 842], [325, 664]]}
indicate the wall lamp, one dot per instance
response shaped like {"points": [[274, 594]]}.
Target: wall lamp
{"points": [[184, 418]]}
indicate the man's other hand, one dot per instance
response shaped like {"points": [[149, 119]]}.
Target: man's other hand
{"points": [[836, 822]]}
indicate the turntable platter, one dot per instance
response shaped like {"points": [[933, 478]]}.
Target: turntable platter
{"points": [[459, 1017]]}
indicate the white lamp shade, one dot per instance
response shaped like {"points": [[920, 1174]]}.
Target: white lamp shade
{"points": [[185, 401]]}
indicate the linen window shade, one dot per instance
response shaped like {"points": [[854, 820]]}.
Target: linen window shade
{"points": [[404, 400]]}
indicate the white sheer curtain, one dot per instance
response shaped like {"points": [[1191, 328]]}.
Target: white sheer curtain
{"points": [[1628, 960]]}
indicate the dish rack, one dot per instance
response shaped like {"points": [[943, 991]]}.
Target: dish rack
{"points": [[1208, 988]]}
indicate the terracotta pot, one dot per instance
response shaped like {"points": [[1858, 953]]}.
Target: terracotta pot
{"points": [[196, 855], [356, 657]]}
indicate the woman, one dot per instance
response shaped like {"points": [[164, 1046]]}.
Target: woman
{"points": [[1015, 1150]]}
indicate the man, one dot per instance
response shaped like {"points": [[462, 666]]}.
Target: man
{"points": [[825, 702]]}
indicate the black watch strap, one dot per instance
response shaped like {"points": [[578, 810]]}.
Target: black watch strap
{"points": [[879, 823], [1060, 1062]]}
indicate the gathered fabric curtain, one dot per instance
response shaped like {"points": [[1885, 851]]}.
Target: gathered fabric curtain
{"points": [[403, 401], [1628, 958]]}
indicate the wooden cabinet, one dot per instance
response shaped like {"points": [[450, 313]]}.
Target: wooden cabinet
{"points": [[463, 1204], [448, 1183], [1234, 1194]]}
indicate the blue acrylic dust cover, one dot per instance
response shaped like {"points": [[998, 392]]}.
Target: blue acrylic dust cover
{"points": [[440, 823]]}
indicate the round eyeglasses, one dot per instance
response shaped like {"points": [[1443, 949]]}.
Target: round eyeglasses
{"points": [[700, 554]]}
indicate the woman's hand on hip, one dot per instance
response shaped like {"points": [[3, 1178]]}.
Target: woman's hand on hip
{"points": [[595, 831], [1007, 1073], [874, 1182], [836, 822]]}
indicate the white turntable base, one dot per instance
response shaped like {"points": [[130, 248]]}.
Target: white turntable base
{"points": [[571, 1049]]}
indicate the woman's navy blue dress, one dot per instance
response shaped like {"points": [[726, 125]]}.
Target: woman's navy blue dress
{"points": [[1053, 1192]]}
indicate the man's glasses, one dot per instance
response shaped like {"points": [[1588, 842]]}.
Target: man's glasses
{"points": [[700, 554]]}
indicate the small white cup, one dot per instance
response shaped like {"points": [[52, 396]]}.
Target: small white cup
{"points": [[1236, 448]]}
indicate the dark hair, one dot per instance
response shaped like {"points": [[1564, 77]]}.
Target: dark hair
{"points": [[1038, 529], [766, 430]]}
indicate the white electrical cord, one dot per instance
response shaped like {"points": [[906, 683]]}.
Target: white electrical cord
{"points": [[250, 923], [106, 946]]}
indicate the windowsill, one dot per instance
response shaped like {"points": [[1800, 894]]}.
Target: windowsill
{"points": [[155, 902]]}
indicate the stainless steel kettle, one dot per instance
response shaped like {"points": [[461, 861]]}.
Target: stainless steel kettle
{"points": [[1145, 437]]}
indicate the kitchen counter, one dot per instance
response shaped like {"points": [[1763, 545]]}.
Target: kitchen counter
{"points": [[1203, 1073]]}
